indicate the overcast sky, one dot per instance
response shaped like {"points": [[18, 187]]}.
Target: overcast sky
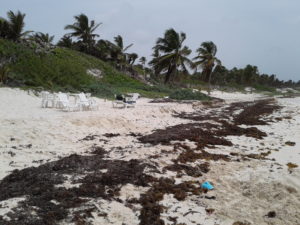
{"points": [[265, 33]]}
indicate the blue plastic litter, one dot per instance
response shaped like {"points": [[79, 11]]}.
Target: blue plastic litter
{"points": [[207, 185]]}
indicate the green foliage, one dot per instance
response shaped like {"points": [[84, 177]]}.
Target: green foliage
{"points": [[4, 70], [84, 30], [101, 90], [206, 59], [13, 27], [259, 87], [248, 76], [66, 70], [170, 55], [66, 41], [60, 68], [187, 94], [41, 37]]}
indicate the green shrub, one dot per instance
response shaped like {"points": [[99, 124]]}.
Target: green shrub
{"points": [[101, 90], [187, 94], [259, 87]]}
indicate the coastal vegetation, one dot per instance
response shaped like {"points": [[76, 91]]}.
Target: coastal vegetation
{"points": [[170, 56], [31, 59], [207, 59]]}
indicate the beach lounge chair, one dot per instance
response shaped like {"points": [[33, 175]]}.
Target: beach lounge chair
{"points": [[119, 102], [64, 103], [131, 99], [85, 103]]}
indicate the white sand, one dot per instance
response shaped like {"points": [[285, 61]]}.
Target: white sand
{"points": [[54, 133], [245, 191], [235, 96]]}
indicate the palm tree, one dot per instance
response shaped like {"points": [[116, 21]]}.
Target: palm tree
{"points": [[66, 41], [4, 28], [13, 28], [105, 50], [120, 51], [153, 63], [207, 60], [132, 58], [120, 44], [143, 61], [83, 29], [45, 38], [174, 54]]}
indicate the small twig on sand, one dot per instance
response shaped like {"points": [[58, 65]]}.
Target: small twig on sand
{"points": [[97, 207], [190, 212]]}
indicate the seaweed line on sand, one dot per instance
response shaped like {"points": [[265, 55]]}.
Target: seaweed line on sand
{"points": [[41, 185]]}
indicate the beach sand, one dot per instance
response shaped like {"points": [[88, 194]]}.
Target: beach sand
{"points": [[245, 191]]}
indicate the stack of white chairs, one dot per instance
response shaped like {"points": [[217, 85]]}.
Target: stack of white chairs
{"points": [[64, 103], [48, 100], [86, 103]]}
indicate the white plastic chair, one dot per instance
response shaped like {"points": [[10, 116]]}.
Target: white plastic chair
{"points": [[47, 98], [87, 104], [64, 103]]}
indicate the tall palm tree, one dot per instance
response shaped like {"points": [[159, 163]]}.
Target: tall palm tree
{"points": [[120, 54], [207, 60], [15, 26], [174, 54], [83, 29], [153, 63], [120, 44]]}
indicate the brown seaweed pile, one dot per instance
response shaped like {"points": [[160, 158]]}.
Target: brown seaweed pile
{"points": [[206, 133], [253, 113], [151, 210], [40, 185], [193, 171]]}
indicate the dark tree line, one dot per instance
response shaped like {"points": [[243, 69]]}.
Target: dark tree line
{"points": [[248, 76]]}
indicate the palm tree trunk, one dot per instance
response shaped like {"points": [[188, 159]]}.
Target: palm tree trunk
{"points": [[167, 78], [209, 86], [168, 75]]}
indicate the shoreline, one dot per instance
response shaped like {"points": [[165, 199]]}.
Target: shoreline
{"points": [[244, 190]]}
